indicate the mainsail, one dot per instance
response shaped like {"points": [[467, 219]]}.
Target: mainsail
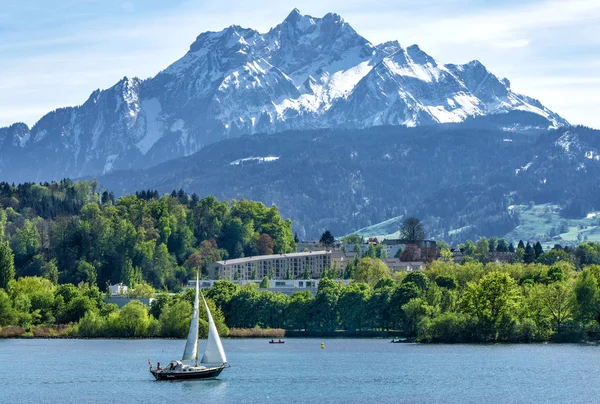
{"points": [[213, 353], [191, 346]]}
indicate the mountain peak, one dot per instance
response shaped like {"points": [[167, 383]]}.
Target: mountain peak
{"points": [[419, 56], [293, 16], [389, 47], [334, 17], [304, 73], [296, 21]]}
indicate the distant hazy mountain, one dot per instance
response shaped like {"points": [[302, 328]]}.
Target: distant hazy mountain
{"points": [[305, 73], [461, 179]]}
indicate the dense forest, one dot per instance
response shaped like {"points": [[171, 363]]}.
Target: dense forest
{"points": [[63, 242], [71, 232], [460, 179], [446, 302]]}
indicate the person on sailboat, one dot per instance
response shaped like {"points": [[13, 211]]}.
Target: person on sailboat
{"points": [[158, 366]]}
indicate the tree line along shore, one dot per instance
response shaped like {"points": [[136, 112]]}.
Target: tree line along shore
{"points": [[61, 243]]}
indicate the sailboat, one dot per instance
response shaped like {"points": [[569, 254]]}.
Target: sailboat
{"points": [[213, 360]]}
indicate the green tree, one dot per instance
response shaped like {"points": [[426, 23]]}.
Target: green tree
{"points": [[327, 239], [557, 299], [379, 304], [141, 290], [134, 321], [175, 319], [529, 256], [325, 314], [503, 246], [587, 296], [86, 272], [443, 246], [401, 296], [7, 313], [26, 242], [482, 250], [271, 309], [298, 310], [7, 266], [371, 271], [352, 239], [76, 309], [493, 244], [414, 311], [538, 250], [306, 274], [553, 256], [418, 278], [50, 271], [445, 281], [221, 293], [2, 224], [494, 302], [519, 256], [353, 306], [243, 304], [371, 252], [265, 283]]}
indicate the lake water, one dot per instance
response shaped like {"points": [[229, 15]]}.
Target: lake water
{"points": [[346, 371]]}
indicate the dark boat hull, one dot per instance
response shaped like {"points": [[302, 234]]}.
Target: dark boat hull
{"points": [[209, 373]]}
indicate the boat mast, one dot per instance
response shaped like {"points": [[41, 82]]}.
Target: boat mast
{"points": [[197, 290]]}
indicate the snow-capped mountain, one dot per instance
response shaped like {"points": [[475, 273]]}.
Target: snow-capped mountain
{"points": [[305, 73]]}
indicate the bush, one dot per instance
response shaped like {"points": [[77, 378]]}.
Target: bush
{"points": [[175, 319], [445, 328]]}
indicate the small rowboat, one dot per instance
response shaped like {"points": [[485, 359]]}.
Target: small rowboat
{"points": [[277, 342]]}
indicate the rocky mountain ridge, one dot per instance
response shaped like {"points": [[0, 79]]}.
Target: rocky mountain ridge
{"points": [[305, 73]]}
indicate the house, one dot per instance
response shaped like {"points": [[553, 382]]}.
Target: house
{"points": [[395, 265], [501, 256], [118, 289]]}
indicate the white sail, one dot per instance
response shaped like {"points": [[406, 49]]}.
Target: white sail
{"points": [[213, 353], [191, 346]]}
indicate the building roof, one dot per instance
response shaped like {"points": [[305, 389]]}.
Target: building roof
{"points": [[271, 257]]}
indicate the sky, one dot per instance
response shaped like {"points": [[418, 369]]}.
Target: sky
{"points": [[54, 54]]}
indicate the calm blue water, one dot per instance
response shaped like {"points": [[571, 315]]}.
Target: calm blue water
{"points": [[346, 371]]}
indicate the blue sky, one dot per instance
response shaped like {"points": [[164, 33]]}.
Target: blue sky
{"points": [[56, 53]]}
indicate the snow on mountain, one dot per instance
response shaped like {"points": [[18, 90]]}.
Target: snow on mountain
{"points": [[304, 73]]}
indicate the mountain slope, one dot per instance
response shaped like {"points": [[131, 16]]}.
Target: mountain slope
{"points": [[459, 178], [305, 73]]}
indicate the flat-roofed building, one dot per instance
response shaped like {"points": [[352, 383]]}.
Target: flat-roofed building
{"points": [[277, 266]]}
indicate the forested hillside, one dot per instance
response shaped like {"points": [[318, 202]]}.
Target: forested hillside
{"points": [[71, 232], [461, 180]]}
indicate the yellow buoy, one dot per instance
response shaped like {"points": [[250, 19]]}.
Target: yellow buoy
{"points": [[322, 345]]}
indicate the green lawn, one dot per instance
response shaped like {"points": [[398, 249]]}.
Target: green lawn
{"points": [[386, 229], [537, 222]]}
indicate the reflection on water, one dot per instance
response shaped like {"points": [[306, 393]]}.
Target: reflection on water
{"points": [[215, 385], [347, 371]]}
